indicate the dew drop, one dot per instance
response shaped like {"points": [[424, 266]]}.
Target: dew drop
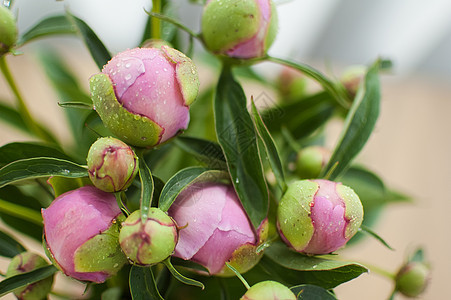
{"points": [[127, 65], [128, 76]]}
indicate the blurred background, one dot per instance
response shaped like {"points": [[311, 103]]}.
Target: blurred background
{"points": [[411, 144]]}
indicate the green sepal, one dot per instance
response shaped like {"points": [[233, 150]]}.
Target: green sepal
{"points": [[293, 215], [186, 74], [101, 253], [354, 209], [134, 129]]}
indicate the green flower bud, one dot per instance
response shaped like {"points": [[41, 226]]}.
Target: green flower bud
{"points": [[412, 279], [112, 165], [241, 29], [269, 290], [150, 242], [352, 77], [26, 262], [310, 161], [8, 30]]}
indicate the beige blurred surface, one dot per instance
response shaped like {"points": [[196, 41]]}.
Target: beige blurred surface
{"points": [[409, 149]]}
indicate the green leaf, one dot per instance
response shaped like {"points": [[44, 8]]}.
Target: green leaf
{"points": [[294, 268], [358, 124], [21, 212], [205, 151], [142, 284], [335, 89], [188, 264], [183, 179], [270, 146], [417, 256], [312, 292], [50, 26], [16, 151], [76, 104], [17, 281], [238, 139], [31, 168], [147, 187], [12, 117], [95, 46], [180, 277], [301, 117], [9, 247], [370, 232], [113, 293]]}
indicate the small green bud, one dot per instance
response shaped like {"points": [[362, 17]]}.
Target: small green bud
{"points": [[310, 161], [412, 279], [112, 164], [269, 290], [150, 242], [27, 262], [8, 30]]}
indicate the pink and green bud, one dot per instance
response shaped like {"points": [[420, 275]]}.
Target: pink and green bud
{"points": [[150, 242], [112, 164], [143, 94], [8, 30], [27, 262], [215, 229], [291, 83], [240, 29], [412, 279], [310, 161], [269, 290], [318, 216], [81, 230]]}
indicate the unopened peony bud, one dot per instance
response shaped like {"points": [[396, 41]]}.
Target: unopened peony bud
{"points": [[240, 29], [291, 83], [214, 229], [150, 242], [269, 290], [143, 94], [8, 30], [112, 165], [81, 229], [412, 279], [27, 262], [318, 216], [310, 161]]}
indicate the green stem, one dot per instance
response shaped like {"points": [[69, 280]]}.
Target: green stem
{"points": [[240, 277], [22, 212], [155, 29], [22, 107], [120, 203]]}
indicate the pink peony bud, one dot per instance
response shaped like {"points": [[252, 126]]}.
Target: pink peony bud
{"points": [[112, 165], [27, 262], [241, 29], [143, 94], [150, 242], [269, 290], [81, 234], [318, 216], [215, 228]]}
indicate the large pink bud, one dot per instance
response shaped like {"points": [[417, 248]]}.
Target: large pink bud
{"points": [[318, 216], [81, 231], [214, 228], [143, 94]]}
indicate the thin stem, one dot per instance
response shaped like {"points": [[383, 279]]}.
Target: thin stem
{"points": [[174, 22], [22, 212], [155, 29], [121, 205], [22, 107], [240, 277]]}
